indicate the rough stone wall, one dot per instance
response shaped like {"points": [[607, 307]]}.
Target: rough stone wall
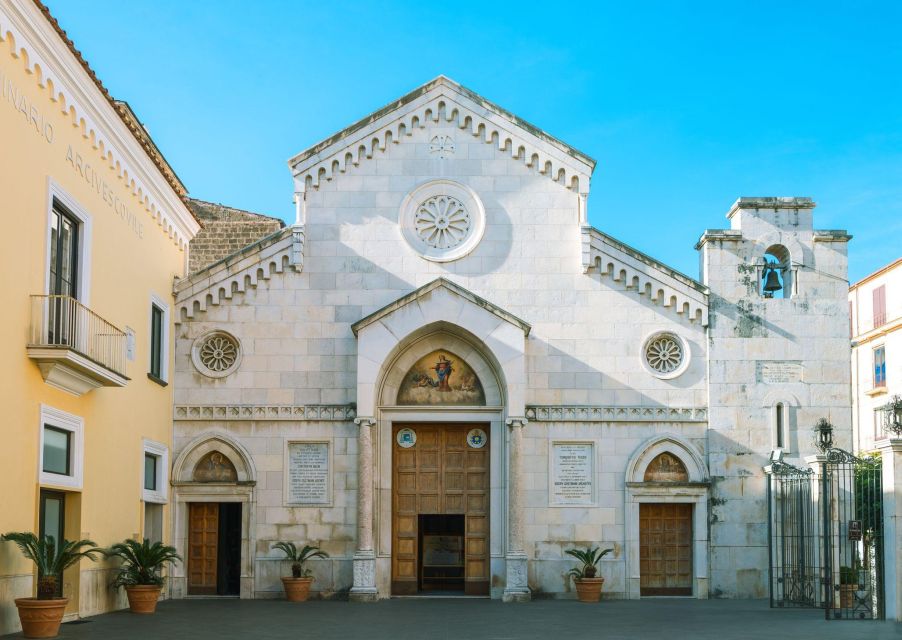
{"points": [[225, 231], [808, 333]]}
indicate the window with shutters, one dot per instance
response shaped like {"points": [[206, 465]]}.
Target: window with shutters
{"points": [[879, 306]]}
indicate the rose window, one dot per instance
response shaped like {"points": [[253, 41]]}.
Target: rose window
{"points": [[216, 354], [664, 353], [442, 222]]}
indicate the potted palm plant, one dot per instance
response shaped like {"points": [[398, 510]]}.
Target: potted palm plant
{"points": [[140, 570], [588, 584], [848, 584], [41, 616], [297, 587]]}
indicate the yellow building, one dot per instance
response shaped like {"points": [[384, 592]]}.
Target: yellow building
{"points": [[96, 228]]}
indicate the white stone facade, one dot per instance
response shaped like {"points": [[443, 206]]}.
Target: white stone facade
{"points": [[555, 318]]}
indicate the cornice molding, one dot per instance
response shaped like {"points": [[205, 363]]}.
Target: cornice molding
{"points": [[454, 288], [238, 272], [441, 102], [584, 413], [31, 39], [347, 413], [643, 274], [310, 412]]}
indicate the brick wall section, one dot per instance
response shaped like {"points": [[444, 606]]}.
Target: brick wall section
{"points": [[226, 230]]}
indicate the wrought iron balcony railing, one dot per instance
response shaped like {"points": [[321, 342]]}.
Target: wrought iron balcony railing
{"points": [[63, 323]]}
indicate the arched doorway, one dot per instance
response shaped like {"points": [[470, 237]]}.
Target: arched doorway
{"points": [[214, 481], [492, 342], [440, 419], [667, 520]]}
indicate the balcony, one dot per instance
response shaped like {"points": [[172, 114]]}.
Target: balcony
{"points": [[75, 348]]}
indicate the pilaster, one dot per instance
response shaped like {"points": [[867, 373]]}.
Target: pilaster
{"points": [[891, 452], [517, 587], [364, 587]]}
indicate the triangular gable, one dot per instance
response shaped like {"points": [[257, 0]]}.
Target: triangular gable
{"points": [[413, 296], [442, 100]]}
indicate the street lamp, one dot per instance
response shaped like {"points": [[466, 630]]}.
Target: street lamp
{"points": [[892, 415], [824, 432]]}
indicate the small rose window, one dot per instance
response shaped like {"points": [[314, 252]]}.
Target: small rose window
{"points": [[216, 354], [665, 355]]}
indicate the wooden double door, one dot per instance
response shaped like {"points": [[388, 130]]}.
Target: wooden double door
{"points": [[440, 510], [214, 548], [665, 549]]}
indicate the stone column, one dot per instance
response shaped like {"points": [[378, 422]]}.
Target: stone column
{"points": [[364, 588], [516, 589], [891, 452]]}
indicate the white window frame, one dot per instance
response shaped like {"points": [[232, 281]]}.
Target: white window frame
{"points": [[874, 384], [161, 451], [157, 301], [85, 224], [75, 425]]}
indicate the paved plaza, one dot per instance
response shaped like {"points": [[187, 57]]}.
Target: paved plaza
{"points": [[438, 619]]}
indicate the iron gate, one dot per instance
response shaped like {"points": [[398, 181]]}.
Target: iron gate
{"points": [[796, 576], [826, 536]]}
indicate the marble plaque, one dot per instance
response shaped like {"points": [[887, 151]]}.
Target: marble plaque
{"points": [[778, 371], [572, 472], [309, 478]]}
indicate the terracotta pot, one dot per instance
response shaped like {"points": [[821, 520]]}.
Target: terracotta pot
{"points": [[297, 589], [589, 589], [41, 618], [847, 596], [142, 598]]}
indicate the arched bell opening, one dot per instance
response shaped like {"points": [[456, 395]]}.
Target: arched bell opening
{"points": [[776, 273]]}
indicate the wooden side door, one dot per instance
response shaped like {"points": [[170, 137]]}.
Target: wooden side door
{"points": [[665, 549], [203, 547], [440, 474]]}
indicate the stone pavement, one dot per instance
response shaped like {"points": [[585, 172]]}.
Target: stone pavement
{"points": [[439, 619]]}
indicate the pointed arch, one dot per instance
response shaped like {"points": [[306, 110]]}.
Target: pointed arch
{"points": [[695, 491], [675, 446]]}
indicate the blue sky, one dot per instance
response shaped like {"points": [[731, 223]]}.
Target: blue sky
{"points": [[685, 105]]}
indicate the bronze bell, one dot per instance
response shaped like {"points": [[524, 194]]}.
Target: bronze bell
{"points": [[771, 281]]}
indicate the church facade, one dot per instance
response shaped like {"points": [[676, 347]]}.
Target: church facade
{"points": [[445, 378]]}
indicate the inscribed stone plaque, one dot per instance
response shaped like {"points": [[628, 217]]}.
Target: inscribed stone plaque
{"points": [[571, 473], [778, 371], [308, 473]]}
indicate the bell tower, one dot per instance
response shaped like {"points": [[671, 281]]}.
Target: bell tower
{"points": [[778, 360]]}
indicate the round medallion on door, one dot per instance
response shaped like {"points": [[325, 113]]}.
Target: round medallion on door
{"points": [[406, 438], [477, 438]]}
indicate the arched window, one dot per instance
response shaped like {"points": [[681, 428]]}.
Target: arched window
{"points": [[776, 274], [779, 433]]}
